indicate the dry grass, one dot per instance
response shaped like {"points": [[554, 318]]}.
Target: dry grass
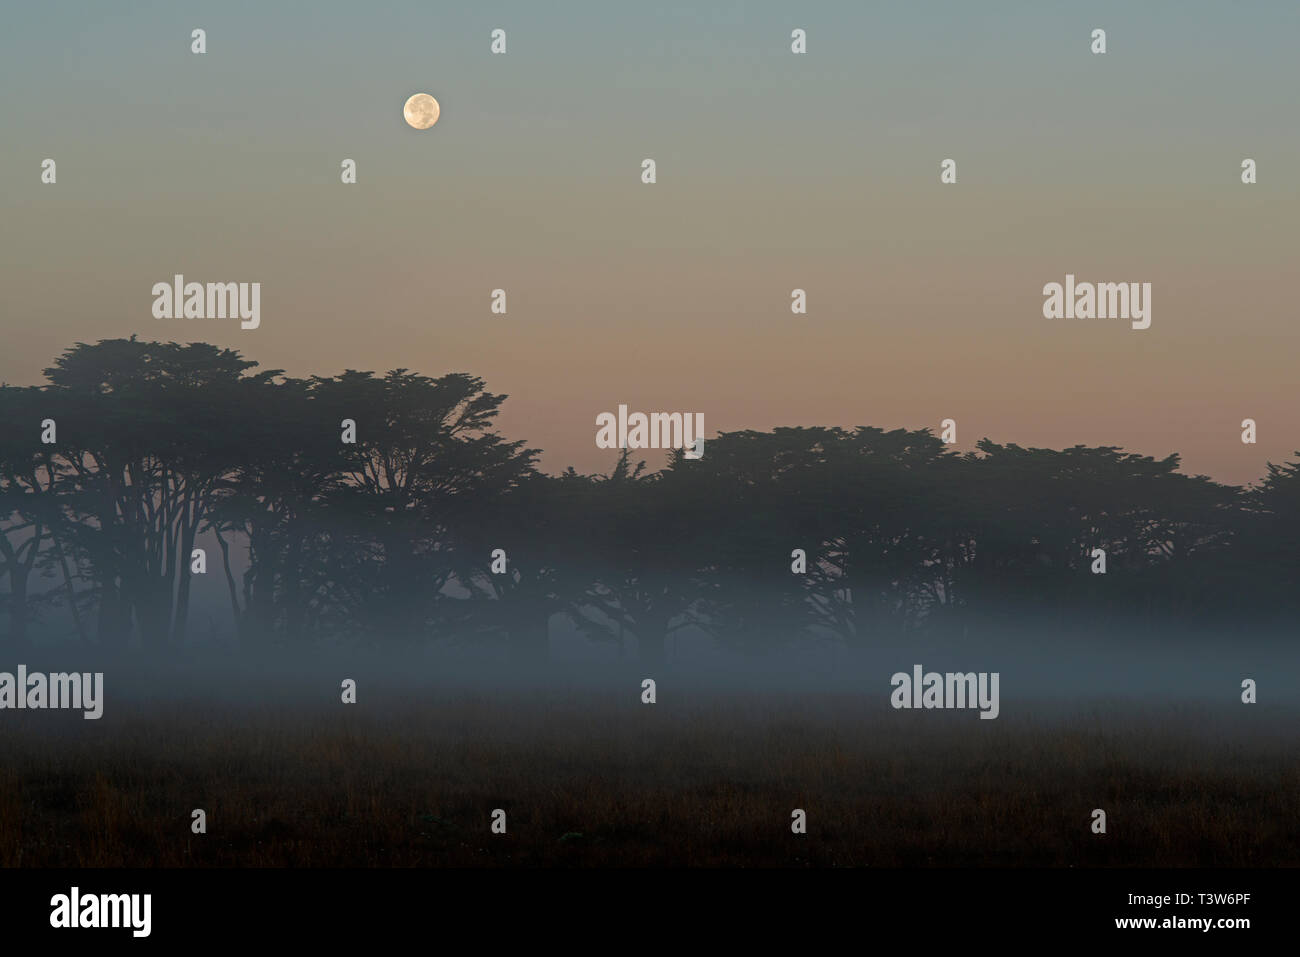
{"points": [[589, 782]]}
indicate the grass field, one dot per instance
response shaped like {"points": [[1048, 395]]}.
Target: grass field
{"points": [[586, 781]]}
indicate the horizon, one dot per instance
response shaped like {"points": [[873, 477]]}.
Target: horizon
{"points": [[599, 458]]}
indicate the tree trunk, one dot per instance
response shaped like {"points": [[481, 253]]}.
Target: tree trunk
{"points": [[230, 585], [72, 591], [183, 595]]}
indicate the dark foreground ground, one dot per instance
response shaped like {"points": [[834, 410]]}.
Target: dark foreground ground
{"points": [[589, 781]]}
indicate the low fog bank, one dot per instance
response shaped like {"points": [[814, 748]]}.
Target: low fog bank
{"points": [[1039, 670]]}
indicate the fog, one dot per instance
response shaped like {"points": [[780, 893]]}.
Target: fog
{"points": [[1040, 670]]}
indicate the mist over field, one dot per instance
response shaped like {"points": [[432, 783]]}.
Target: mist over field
{"points": [[359, 630], [1040, 668], [709, 774]]}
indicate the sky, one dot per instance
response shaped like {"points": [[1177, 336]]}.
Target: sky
{"points": [[775, 171]]}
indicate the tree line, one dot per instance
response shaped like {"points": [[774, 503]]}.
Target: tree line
{"points": [[130, 452]]}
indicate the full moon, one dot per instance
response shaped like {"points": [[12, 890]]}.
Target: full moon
{"points": [[421, 111]]}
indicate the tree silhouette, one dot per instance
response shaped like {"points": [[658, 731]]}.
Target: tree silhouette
{"points": [[424, 465], [145, 440], [392, 537], [33, 527]]}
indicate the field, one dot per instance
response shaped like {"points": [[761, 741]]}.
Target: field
{"points": [[587, 781]]}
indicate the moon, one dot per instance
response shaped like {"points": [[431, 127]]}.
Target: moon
{"points": [[421, 111]]}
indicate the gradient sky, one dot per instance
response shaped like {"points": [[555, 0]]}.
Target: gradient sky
{"points": [[775, 171]]}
